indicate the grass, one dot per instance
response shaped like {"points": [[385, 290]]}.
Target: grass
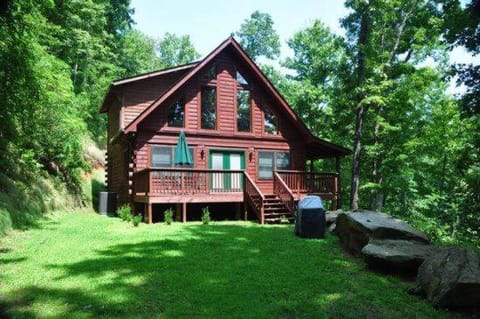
{"points": [[81, 265]]}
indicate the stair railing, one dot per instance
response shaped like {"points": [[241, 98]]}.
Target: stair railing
{"points": [[285, 194], [254, 197]]}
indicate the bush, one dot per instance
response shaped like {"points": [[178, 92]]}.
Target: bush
{"points": [[5, 222], [205, 216], [136, 219], [125, 213], [168, 216]]}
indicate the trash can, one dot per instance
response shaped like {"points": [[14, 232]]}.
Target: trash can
{"points": [[107, 204], [310, 221]]}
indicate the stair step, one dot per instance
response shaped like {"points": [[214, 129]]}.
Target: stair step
{"points": [[279, 204], [272, 200], [284, 213], [271, 196], [274, 209], [279, 219]]}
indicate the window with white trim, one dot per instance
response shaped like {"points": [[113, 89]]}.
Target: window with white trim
{"points": [[268, 161], [163, 156]]}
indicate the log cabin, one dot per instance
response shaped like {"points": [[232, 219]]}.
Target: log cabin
{"points": [[249, 147]]}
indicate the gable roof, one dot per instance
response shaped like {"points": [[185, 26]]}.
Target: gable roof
{"points": [[139, 77], [330, 148]]}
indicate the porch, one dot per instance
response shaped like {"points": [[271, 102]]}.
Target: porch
{"points": [[188, 185]]}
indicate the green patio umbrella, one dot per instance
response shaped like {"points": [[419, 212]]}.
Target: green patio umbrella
{"points": [[182, 153]]}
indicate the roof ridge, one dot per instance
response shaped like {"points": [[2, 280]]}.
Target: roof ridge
{"points": [[145, 75]]}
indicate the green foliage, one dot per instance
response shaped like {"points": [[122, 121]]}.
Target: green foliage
{"points": [[125, 213], [205, 215], [5, 222], [419, 156], [136, 219], [138, 53], [25, 199], [258, 37], [168, 216], [175, 50]]}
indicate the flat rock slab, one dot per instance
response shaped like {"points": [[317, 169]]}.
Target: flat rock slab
{"points": [[396, 256], [450, 278], [355, 229]]}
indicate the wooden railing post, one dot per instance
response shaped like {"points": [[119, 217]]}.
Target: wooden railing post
{"points": [[336, 203], [149, 189]]}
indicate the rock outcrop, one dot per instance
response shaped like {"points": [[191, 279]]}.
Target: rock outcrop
{"points": [[450, 278], [396, 256], [355, 229]]}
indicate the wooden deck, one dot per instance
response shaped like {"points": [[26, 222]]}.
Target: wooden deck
{"points": [[184, 186]]}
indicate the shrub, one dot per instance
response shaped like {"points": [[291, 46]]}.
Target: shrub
{"points": [[205, 216], [136, 219], [168, 216], [125, 213]]}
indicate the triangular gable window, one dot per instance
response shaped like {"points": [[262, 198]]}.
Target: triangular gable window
{"points": [[240, 79]]}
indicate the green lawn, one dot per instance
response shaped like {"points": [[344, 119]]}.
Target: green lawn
{"points": [[87, 266]]}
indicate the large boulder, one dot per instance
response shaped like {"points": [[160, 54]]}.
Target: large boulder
{"points": [[355, 229], [403, 256], [450, 278], [331, 218]]}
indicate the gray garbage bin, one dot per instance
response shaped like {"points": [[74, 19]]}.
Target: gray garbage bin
{"points": [[107, 204], [310, 221]]}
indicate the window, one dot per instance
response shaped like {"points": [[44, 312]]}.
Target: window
{"points": [[268, 161], [209, 105], [265, 164], [282, 160], [243, 111], [240, 79], [163, 155], [212, 73], [176, 114], [270, 124]]}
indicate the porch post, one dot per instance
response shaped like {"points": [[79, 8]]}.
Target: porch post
{"points": [[184, 212], [149, 213], [339, 190], [311, 166]]}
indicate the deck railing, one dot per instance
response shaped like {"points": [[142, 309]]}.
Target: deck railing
{"points": [[254, 197], [322, 184], [281, 189], [179, 181]]}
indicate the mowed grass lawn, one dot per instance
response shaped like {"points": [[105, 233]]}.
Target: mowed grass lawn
{"points": [[81, 265]]}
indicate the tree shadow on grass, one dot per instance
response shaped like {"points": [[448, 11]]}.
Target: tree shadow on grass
{"points": [[220, 271]]}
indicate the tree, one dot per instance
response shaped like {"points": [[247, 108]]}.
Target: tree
{"points": [[387, 39], [319, 58], [176, 50], [138, 53], [463, 29], [258, 37]]}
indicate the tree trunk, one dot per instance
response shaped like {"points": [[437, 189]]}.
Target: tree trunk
{"points": [[361, 109], [356, 157]]}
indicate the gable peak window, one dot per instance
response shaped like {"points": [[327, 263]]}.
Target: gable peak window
{"points": [[209, 108], [240, 79], [212, 73], [176, 114]]}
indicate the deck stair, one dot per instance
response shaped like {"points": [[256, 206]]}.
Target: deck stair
{"points": [[275, 211]]}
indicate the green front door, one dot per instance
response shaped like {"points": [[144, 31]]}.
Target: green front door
{"points": [[227, 160]]}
